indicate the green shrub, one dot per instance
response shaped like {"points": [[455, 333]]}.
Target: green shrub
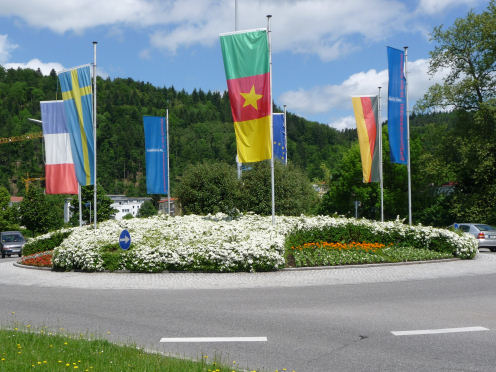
{"points": [[47, 244], [416, 242]]}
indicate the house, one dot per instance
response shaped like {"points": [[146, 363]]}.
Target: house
{"points": [[15, 200], [164, 208], [125, 205]]}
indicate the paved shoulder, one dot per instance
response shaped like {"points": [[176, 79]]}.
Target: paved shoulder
{"points": [[484, 263]]}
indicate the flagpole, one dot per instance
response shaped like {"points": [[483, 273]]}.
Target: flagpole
{"points": [[235, 15], [379, 129], [271, 125], [408, 143], [80, 206], [94, 130], [168, 173], [285, 137], [238, 164]]}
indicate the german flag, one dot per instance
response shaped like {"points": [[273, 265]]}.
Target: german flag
{"points": [[246, 62], [368, 136]]}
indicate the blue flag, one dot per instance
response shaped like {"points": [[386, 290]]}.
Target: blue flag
{"points": [[279, 138], [397, 110], [78, 103], [156, 154]]}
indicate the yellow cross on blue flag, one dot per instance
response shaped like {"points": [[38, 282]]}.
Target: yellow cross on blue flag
{"points": [[77, 95]]}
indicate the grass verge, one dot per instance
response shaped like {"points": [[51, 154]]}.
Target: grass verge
{"points": [[42, 351]]}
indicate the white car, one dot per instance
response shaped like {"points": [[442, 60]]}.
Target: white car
{"points": [[485, 234]]}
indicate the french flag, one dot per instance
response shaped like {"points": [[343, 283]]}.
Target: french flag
{"points": [[60, 176]]}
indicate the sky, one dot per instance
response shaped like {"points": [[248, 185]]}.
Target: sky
{"points": [[323, 51]]}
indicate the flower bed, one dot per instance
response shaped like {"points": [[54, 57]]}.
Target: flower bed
{"points": [[331, 254], [41, 259], [248, 243]]}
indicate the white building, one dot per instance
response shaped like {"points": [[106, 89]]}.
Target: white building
{"points": [[125, 205]]}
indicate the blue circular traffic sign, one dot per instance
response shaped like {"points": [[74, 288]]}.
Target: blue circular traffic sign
{"points": [[125, 240]]}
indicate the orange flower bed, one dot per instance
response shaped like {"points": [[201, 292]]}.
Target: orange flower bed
{"points": [[363, 246], [42, 259]]}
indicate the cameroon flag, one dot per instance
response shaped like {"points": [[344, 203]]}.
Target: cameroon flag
{"points": [[368, 136], [246, 62]]}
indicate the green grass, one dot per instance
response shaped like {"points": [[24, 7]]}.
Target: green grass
{"points": [[333, 257], [44, 351]]}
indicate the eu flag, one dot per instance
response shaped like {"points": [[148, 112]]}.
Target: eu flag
{"points": [[78, 103], [279, 137]]}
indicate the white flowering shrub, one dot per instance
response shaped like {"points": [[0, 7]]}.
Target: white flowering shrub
{"points": [[219, 243]]}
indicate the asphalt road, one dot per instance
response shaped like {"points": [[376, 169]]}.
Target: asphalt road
{"points": [[324, 327]]}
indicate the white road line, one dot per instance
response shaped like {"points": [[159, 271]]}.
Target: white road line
{"points": [[214, 339], [437, 331]]}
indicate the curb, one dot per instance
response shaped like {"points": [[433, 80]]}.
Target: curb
{"points": [[32, 267], [368, 265], [283, 269]]}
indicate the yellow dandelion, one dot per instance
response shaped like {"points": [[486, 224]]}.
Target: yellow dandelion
{"points": [[76, 367], [15, 329], [39, 362], [65, 343], [59, 361], [45, 362], [67, 364], [28, 326], [18, 352], [3, 359]]}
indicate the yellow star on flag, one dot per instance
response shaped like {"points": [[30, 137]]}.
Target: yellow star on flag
{"points": [[251, 98]]}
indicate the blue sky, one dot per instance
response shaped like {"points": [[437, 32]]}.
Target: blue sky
{"points": [[324, 51]]}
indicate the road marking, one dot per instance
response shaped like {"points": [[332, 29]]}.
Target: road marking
{"points": [[213, 339], [437, 331]]}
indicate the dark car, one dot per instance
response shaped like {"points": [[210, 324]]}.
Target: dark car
{"points": [[485, 234], [11, 242]]}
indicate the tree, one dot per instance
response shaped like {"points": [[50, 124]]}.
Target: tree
{"points": [[36, 213], [467, 52], [208, 188], [294, 194], [147, 209], [8, 215], [104, 210]]}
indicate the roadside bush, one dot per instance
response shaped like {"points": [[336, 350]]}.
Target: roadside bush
{"points": [[45, 244], [208, 188], [112, 257], [394, 233]]}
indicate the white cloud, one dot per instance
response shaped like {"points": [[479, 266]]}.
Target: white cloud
{"points": [[46, 67], [347, 122], [330, 98], [325, 28], [5, 48], [436, 6], [35, 64]]}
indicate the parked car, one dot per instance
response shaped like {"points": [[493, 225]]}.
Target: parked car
{"points": [[485, 234], [11, 242]]}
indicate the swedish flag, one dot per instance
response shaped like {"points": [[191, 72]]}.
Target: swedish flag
{"points": [[77, 95]]}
